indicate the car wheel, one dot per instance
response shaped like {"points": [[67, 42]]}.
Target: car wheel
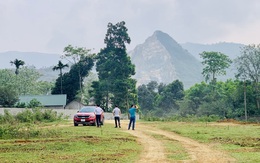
{"points": [[75, 124]]}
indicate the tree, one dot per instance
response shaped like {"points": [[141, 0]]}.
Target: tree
{"points": [[73, 80], [17, 64], [8, 96], [60, 66], [82, 62], [248, 66], [26, 82], [115, 69], [146, 96], [168, 98], [215, 64]]}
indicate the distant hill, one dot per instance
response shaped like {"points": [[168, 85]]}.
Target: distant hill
{"points": [[230, 49], [233, 50], [36, 59], [160, 58]]}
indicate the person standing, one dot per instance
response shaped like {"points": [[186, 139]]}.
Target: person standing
{"points": [[131, 113], [117, 113], [98, 112]]}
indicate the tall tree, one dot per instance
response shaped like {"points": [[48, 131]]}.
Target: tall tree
{"points": [[60, 66], [71, 79], [17, 64], [215, 64], [82, 62], [115, 69], [248, 66]]}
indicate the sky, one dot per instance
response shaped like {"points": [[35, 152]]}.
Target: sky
{"points": [[48, 26]]}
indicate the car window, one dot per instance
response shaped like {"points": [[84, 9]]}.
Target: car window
{"points": [[87, 110]]}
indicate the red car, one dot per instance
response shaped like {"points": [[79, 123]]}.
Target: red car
{"points": [[86, 116]]}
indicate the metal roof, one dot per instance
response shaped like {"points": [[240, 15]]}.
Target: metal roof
{"points": [[46, 100]]}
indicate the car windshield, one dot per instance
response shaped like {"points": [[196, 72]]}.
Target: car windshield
{"points": [[87, 110]]}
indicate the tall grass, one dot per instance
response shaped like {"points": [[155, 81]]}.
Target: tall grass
{"points": [[22, 125]]}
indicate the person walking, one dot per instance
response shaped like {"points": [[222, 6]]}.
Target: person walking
{"points": [[117, 113], [131, 113], [98, 112]]}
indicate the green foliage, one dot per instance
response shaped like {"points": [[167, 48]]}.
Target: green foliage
{"points": [[160, 100], [115, 69], [215, 64], [146, 97], [34, 103], [59, 67], [25, 116], [225, 101], [8, 96], [25, 82], [170, 95], [17, 64], [30, 116], [7, 118], [71, 83], [20, 105]]}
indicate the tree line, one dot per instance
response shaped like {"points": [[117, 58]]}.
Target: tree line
{"points": [[115, 85]]}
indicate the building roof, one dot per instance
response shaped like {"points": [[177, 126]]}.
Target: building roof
{"points": [[46, 100]]}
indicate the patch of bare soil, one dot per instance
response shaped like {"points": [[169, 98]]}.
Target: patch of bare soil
{"points": [[155, 152]]}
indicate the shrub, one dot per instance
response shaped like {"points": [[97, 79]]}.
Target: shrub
{"points": [[34, 103], [8, 96], [20, 105], [25, 116]]}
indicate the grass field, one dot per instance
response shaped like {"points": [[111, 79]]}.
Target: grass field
{"points": [[62, 142], [241, 141], [66, 143]]}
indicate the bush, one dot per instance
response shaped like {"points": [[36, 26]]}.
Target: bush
{"points": [[30, 116], [25, 116], [34, 103], [20, 105], [7, 117], [8, 96]]}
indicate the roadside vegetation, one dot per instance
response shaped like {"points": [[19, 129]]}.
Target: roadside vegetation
{"points": [[23, 124]]}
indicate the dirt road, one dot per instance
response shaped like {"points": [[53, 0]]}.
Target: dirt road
{"points": [[154, 151]]}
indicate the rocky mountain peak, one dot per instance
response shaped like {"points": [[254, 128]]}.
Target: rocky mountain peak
{"points": [[160, 58]]}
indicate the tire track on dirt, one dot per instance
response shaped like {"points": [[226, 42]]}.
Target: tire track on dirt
{"points": [[154, 150]]}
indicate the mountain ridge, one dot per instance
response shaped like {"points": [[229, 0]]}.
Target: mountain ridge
{"points": [[159, 58]]}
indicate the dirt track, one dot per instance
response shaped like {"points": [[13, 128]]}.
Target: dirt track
{"points": [[154, 151]]}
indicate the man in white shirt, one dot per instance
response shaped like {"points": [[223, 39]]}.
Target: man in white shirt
{"points": [[117, 113], [98, 112]]}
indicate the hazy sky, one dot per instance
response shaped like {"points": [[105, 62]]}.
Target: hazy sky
{"points": [[50, 25]]}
